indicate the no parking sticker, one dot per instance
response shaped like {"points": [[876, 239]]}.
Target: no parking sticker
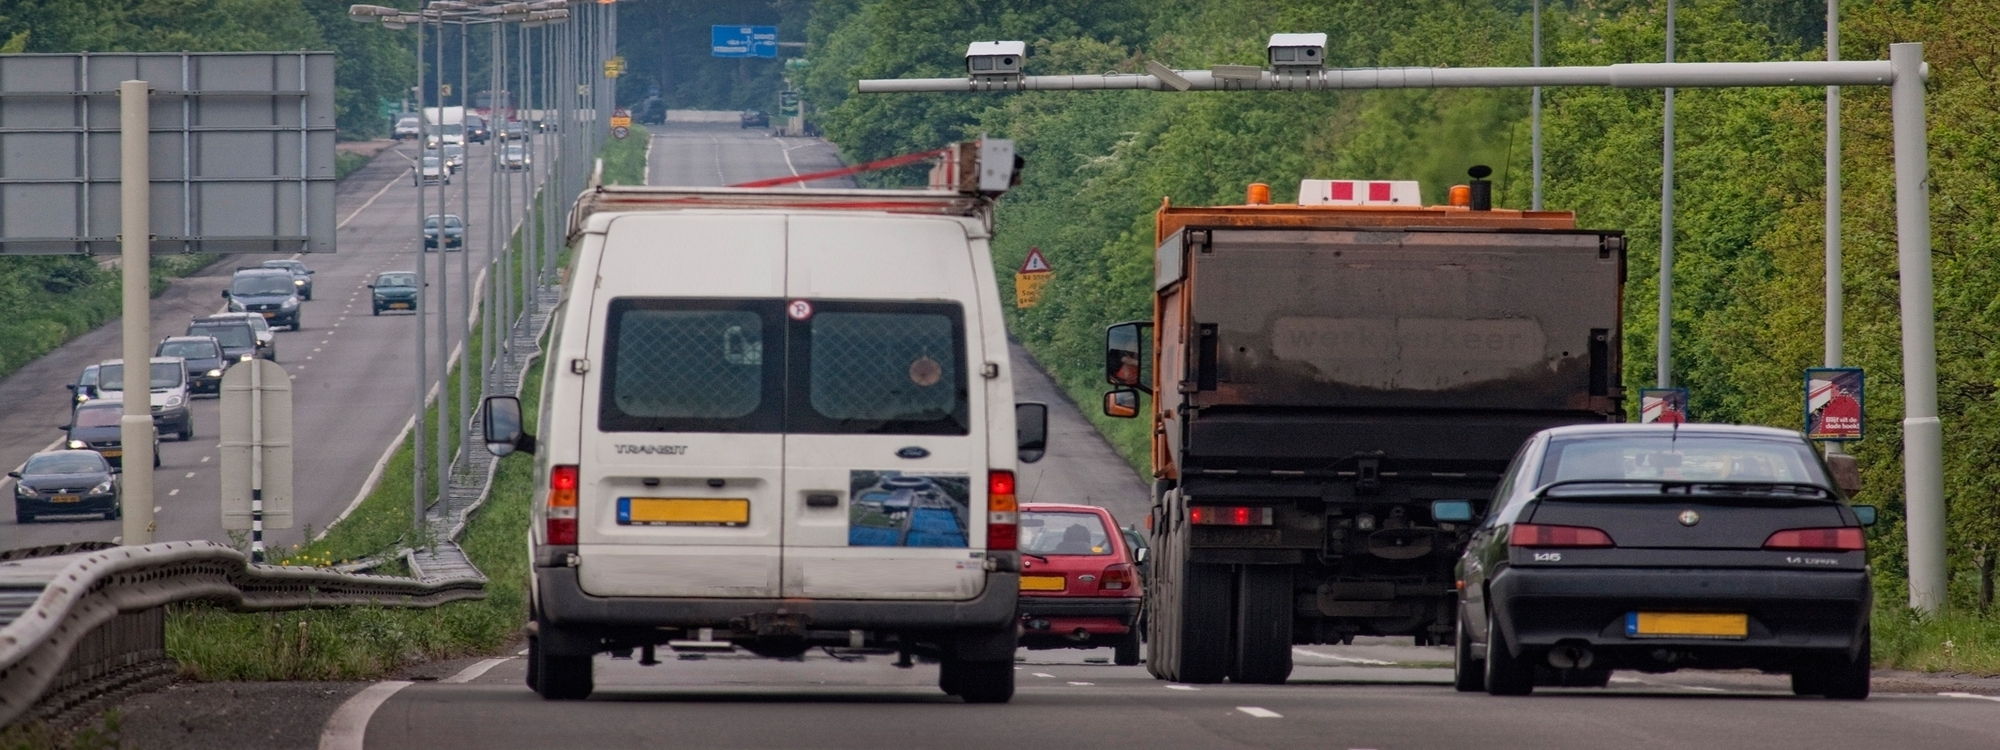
{"points": [[799, 309]]}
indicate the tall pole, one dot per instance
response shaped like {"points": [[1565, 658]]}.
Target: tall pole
{"points": [[1923, 435], [1664, 366], [1535, 115], [135, 208], [443, 310], [1834, 292], [487, 310], [418, 488], [463, 322]]}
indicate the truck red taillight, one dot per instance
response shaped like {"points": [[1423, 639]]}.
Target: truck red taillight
{"points": [[1835, 539], [1003, 512], [1229, 515], [562, 505], [1116, 577], [1544, 535]]}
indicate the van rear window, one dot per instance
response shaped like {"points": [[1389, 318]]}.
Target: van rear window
{"points": [[691, 366]]}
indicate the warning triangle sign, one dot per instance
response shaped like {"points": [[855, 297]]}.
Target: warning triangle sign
{"points": [[1035, 262]]}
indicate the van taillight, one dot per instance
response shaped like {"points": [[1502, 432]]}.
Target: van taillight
{"points": [[1229, 515], [562, 505], [1116, 577], [1836, 539], [1543, 535], [1002, 512]]}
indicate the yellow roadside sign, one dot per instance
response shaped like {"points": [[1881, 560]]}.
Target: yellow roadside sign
{"points": [[1028, 288], [621, 121]]}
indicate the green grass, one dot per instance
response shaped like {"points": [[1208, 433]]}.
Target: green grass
{"points": [[1950, 641], [625, 161], [100, 734], [345, 163]]}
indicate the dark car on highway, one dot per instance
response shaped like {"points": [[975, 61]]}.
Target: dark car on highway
{"points": [[755, 119], [513, 130], [1664, 547], [394, 290], [204, 360], [454, 232], [94, 426], [239, 340], [65, 483], [302, 277], [1079, 583], [476, 130], [85, 387], [270, 292]]}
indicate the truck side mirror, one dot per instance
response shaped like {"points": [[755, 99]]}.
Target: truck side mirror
{"points": [[1451, 511], [1121, 404], [1031, 431], [502, 425], [1128, 360]]}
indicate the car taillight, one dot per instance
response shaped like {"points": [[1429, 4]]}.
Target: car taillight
{"points": [[1116, 577], [1003, 514], [1229, 515], [1542, 535], [1836, 539], [562, 505]]}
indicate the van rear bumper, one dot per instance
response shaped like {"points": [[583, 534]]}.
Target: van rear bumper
{"points": [[561, 600]]}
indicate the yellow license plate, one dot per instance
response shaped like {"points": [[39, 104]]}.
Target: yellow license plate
{"points": [[684, 511], [66, 499], [111, 453], [399, 305], [1686, 625], [270, 315], [1042, 583]]}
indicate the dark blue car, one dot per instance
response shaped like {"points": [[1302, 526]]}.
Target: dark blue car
{"points": [[65, 483]]}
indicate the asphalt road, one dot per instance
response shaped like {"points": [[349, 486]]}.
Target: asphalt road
{"points": [[710, 155], [354, 373]]}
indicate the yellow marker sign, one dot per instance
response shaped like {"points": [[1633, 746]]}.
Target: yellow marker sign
{"points": [[621, 121], [1034, 274]]}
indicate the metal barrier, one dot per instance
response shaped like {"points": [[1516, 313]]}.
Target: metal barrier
{"points": [[75, 595]]}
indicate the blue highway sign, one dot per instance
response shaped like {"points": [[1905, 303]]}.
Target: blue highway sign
{"points": [[743, 41]]}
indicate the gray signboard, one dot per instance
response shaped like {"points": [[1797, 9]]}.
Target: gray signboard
{"points": [[242, 151]]}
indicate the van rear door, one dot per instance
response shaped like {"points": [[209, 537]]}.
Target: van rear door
{"points": [[885, 478], [681, 455]]}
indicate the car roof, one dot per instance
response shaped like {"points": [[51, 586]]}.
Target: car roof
{"points": [[176, 339], [1657, 429], [237, 317], [64, 451], [281, 263]]}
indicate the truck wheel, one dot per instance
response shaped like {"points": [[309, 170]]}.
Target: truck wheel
{"points": [[977, 681], [1263, 625], [1201, 647], [1506, 674], [1468, 673], [1126, 652]]}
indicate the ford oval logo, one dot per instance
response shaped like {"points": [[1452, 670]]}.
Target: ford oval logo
{"points": [[913, 452]]}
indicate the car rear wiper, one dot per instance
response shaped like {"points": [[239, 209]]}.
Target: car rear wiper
{"points": [[1688, 487]]}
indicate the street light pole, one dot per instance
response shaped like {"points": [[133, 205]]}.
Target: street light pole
{"points": [[417, 461], [443, 448], [1664, 365]]}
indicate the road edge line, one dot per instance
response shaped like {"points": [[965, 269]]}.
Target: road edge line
{"points": [[646, 177], [473, 672], [347, 728]]}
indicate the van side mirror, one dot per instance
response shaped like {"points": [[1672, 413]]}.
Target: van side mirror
{"points": [[1121, 404], [225, 294], [502, 424], [1451, 511], [1865, 514], [1128, 360], [1031, 431]]}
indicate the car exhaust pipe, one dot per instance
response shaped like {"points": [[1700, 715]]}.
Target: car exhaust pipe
{"points": [[1038, 624], [1571, 657], [1080, 635]]}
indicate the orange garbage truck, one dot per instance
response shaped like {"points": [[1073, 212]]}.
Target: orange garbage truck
{"points": [[1336, 388]]}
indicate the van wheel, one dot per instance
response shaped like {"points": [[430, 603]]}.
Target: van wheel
{"points": [[562, 678], [1506, 674], [534, 658], [1126, 652], [1467, 671], [156, 456], [1263, 627], [977, 681]]}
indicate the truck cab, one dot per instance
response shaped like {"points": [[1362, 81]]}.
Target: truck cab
{"points": [[1321, 374]]}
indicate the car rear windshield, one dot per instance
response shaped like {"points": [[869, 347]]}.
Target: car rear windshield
{"points": [[1692, 458], [396, 279], [836, 367], [235, 335], [261, 285], [101, 417], [1047, 533], [189, 349], [65, 463], [165, 375]]}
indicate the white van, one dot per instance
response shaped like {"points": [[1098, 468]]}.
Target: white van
{"points": [[776, 420]]}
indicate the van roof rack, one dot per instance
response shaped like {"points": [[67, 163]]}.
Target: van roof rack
{"points": [[614, 198]]}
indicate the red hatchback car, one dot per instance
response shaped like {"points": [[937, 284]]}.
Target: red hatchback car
{"points": [[1078, 585]]}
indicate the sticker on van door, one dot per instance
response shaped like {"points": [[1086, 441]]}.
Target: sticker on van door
{"points": [[908, 509]]}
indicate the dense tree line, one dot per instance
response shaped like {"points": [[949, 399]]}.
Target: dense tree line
{"points": [[1748, 304], [667, 53]]}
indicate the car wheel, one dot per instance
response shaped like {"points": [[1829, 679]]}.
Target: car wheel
{"points": [[978, 681], [1836, 677], [375, 311], [1126, 652], [1506, 674], [1468, 673], [22, 516], [187, 430]]}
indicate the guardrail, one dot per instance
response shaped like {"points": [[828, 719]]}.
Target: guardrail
{"points": [[53, 604]]}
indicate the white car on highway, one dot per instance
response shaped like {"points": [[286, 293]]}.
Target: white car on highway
{"points": [[709, 436]]}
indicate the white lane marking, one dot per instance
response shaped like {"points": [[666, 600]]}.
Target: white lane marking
{"points": [[204, 459], [308, 356], [1084, 684], [157, 509], [190, 475], [1182, 687], [1702, 688], [173, 492], [473, 672], [1974, 696], [315, 349], [1044, 674], [522, 652], [1261, 713], [1632, 680], [1348, 659], [371, 199], [348, 726], [374, 475]]}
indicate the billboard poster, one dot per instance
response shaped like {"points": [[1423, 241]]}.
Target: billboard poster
{"points": [[1663, 405], [1833, 403]]}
